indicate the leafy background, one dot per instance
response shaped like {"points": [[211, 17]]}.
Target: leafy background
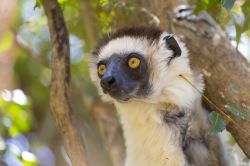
{"points": [[27, 131]]}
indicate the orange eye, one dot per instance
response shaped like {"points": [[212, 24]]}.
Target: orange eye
{"points": [[101, 69], [134, 62]]}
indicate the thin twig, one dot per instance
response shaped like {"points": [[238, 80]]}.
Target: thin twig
{"points": [[24, 46]]}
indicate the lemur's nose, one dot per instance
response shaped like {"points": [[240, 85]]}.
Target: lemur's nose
{"points": [[108, 82]]}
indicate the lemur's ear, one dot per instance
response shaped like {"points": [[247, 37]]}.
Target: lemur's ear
{"points": [[173, 45]]}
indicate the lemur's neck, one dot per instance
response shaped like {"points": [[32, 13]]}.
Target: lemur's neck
{"points": [[149, 141]]}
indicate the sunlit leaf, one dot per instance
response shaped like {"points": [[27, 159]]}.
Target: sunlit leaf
{"points": [[228, 4], [246, 11], [17, 118], [38, 4], [29, 159], [62, 1], [246, 25], [103, 2], [13, 131], [248, 33], [205, 4], [6, 41], [239, 31], [201, 6], [217, 121], [237, 111]]}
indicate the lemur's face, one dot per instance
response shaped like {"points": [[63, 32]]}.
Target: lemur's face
{"points": [[124, 75], [134, 63]]}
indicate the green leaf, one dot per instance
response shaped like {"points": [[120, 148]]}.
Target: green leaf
{"points": [[29, 159], [205, 5], [239, 31], [201, 6], [104, 3], [63, 2], [246, 11], [38, 4], [6, 41], [237, 111], [228, 4], [246, 25], [217, 121], [13, 131], [17, 116]]}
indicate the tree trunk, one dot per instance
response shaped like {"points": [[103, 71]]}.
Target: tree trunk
{"points": [[221, 64], [60, 84]]}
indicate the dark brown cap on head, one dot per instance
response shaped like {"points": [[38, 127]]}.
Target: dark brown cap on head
{"points": [[150, 33]]}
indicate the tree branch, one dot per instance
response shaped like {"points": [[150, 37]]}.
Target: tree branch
{"points": [[59, 96], [24, 46]]}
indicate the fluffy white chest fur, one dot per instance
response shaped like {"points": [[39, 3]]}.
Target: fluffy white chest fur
{"points": [[149, 141]]}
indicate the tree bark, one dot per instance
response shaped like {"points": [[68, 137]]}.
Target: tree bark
{"points": [[111, 132], [60, 84], [223, 67], [221, 64]]}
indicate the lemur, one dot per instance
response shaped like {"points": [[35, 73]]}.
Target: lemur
{"points": [[141, 70]]}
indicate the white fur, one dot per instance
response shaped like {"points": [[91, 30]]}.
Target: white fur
{"points": [[149, 141], [124, 45]]}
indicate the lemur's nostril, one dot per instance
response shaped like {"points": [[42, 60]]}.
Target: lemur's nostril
{"points": [[108, 82], [111, 81]]}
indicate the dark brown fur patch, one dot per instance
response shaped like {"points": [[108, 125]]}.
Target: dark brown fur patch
{"points": [[150, 33]]}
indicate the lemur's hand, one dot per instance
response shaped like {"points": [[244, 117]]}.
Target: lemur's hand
{"points": [[185, 12]]}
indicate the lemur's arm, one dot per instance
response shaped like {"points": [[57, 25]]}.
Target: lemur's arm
{"points": [[195, 140]]}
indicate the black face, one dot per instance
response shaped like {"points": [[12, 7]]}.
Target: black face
{"points": [[124, 76]]}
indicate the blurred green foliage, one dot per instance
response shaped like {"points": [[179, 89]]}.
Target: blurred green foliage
{"points": [[16, 115], [16, 119], [217, 122], [237, 111], [227, 4], [6, 41]]}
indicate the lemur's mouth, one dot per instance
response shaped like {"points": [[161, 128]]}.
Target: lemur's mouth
{"points": [[124, 100], [120, 96]]}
